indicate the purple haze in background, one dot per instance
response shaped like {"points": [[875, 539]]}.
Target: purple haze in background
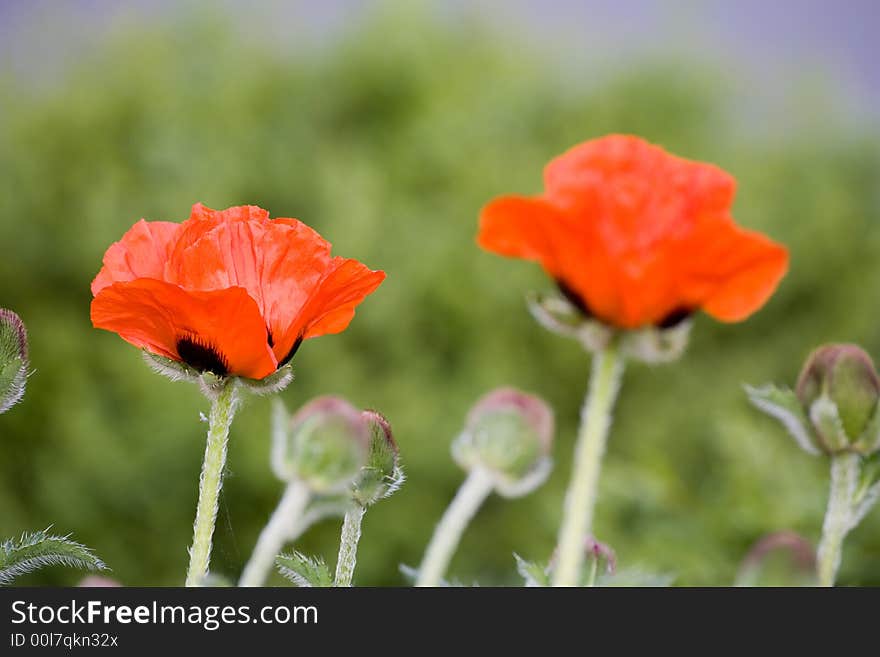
{"points": [[778, 46]]}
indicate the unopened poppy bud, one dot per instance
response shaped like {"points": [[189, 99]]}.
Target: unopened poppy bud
{"points": [[783, 558], [839, 390], [381, 476], [509, 433], [325, 444], [601, 557], [13, 359]]}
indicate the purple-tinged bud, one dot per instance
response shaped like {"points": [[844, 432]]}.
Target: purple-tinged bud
{"points": [[600, 558], [324, 444], [783, 558], [510, 434], [13, 359], [381, 476], [602, 554], [839, 390], [96, 581]]}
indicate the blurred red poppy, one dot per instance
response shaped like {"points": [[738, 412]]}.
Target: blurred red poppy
{"points": [[232, 292], [635, 236]]}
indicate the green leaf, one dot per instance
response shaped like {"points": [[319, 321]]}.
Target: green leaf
{"points": [[783, 404], [304, 571], [39, 549], [534, 573]]}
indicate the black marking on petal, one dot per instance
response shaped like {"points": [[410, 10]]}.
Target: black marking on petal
{"points": [[204, 357], [269, 337], [675, 318], [286, 359], [574, 298]]}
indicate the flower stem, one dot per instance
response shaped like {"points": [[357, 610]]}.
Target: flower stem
{"points": [[470, 496], [276, 533], [223, 409], [838, 517], [592, 436], [348, 545], [594, 572]]}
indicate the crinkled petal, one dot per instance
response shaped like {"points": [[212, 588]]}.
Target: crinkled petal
{"points": [[280, 264], [332, 306], [141, 253], [622, 178]]}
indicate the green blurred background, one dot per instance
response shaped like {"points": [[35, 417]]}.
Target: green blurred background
{"points": [[388, 138]]}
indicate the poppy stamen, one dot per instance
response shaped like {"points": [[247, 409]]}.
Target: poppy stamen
{"points": [[289, 356], [202, 356]]}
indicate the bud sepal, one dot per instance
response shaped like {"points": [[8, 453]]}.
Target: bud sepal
{"points": [[650, 344], [382, 475], [13, 359], [325, 445]]}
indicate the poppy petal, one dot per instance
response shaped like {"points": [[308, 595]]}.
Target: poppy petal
{"points": [[332, 306], [733, 271], [141, 253], [520, 227], [202, 212], [280, 264], [637, 236], [203, 219], [220, 330], [626, 177]]}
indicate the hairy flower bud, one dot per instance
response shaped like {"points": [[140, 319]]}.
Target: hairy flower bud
{"points": [[324, 444], [382, 475], [510, 434], [13, 359], [839, 390]]}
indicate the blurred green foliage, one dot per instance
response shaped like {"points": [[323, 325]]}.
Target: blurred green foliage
{"points": [[388, 140]]}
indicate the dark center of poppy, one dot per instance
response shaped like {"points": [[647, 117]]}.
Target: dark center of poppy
{"points": [[574, 298], [675, 318], [202, 356], [286, 359], [671, 320]]}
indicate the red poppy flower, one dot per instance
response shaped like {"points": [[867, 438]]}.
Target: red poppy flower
{"points": [[231, 292], [635, 236]]}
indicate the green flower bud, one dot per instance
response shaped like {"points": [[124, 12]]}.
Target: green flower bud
{"points": [[382, 475], [839, 390], [324, 445], [13, 359], [510, 434]]}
